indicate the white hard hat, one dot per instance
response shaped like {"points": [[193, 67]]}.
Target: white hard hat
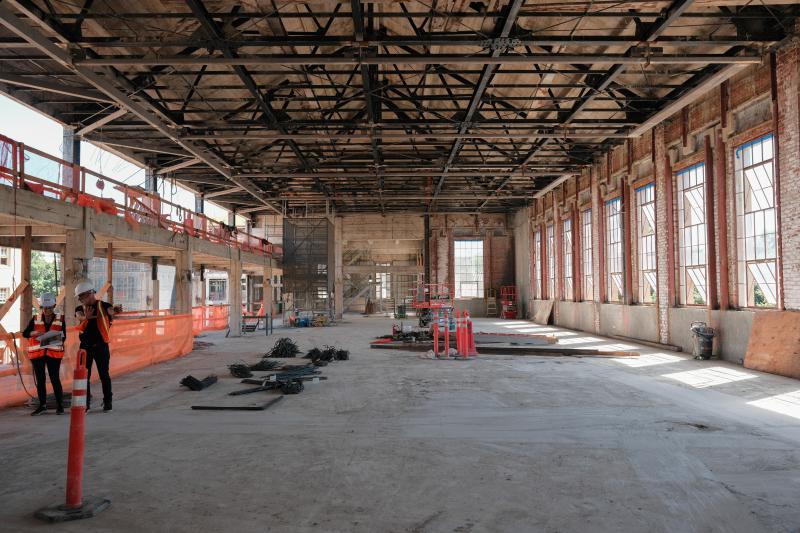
{"points": [[47, 300], [83, 286]]}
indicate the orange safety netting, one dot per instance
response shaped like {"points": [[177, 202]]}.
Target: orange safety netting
{"points": [[135, 343], [209, 318]]}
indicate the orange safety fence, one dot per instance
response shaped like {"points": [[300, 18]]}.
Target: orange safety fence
{"points": [[209, 318], [135, 343]]}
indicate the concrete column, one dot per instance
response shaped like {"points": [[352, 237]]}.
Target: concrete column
{"points": [[26, 299], [199, 203], [338, 269], [235, 295], [110, 272], [155, 304], [78, 251], [266, 289], [203, 285], [150, 179], [71, 152], [183, 279]]}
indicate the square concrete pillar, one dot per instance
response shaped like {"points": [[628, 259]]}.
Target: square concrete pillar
{"points": [[155, 289], [235, 296], [78, 251], [183, 280], [26, 300], [338, 270], [266, 289]]}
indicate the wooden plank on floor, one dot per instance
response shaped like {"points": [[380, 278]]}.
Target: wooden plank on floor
{"points": [[774, 344]]}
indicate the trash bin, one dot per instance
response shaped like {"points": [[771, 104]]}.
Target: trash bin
{"points": [[703, 339]]}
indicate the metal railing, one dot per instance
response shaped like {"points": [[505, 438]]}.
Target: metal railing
{"points": [[26, 168]]}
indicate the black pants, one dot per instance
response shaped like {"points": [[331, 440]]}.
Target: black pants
{"points": [[53, 365], [100, 355]]}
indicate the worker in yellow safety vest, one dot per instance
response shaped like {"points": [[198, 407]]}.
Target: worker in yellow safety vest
{"points": [[95, 334], [46, 353]]}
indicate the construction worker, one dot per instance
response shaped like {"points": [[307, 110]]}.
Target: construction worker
{"points": [[46, 354], [95, 328]]}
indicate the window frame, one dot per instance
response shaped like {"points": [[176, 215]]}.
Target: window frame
{"points": [[567, 259], [615, 255], [551, 261], [537, 264], [689, 272], [587, 255], [646, 249], [477, 276], [745, 285]]}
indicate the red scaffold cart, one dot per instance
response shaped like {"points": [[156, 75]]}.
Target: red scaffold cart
{"points": [[508, 301]]}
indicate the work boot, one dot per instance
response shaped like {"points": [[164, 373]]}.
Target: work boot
{"points": [[60, 409], [106, 406], [39, 410]]}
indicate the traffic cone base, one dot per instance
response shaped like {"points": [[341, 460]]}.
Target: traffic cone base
{"points": [[61, 513]]}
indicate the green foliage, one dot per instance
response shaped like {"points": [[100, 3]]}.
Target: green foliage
{"points": [[43, 274], [758, 296]]}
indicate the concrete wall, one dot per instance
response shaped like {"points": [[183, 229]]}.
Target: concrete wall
{"points": [[732, 327], [575, 315], [475, 306], [637, 321]]}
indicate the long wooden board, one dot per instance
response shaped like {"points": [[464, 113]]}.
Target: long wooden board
{"points": [[774, 344]]}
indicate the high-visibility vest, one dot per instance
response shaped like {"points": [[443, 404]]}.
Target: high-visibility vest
{"points": [[35, 349], [103, 323]]}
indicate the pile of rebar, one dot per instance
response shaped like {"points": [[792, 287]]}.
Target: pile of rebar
{"points": [[240, 370], [284, 347], [264, 364]]}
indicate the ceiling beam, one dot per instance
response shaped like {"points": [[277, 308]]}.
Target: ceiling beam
{"points": [[105, 83], [422, 59]]}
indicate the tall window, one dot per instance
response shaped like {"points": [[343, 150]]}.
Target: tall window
{"points": [[4, 256], [216, 290], [755, 224], [615, 284], [469, 268], [551, 262], [586, 245], [567, 246], [537, 266], [692, 235], [646, 222], [4, 292]]}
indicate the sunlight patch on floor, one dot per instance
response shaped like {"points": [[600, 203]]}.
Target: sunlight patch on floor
{"points": [[709, 377], [785, 404], [650, 359]]}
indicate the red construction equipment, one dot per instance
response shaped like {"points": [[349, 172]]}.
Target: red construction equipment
{"points": [[508, 301], [436, 339], [446, 334], [76, 507], [470, 350], [432, 296]]}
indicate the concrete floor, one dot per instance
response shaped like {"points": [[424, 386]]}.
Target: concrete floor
{"points": [[393, 442]]}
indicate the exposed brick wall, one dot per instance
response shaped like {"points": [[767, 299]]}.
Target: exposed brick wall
{"points": [[788, 134], [728, 116]]}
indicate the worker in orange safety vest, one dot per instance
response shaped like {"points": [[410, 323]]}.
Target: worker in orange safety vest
{"points": [[46, 356], [95, 334]]}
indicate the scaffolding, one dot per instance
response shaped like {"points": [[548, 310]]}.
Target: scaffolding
{"points": [[307, 264]]}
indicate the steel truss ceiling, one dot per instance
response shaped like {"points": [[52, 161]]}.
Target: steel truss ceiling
{"points": [[388, 105]]}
